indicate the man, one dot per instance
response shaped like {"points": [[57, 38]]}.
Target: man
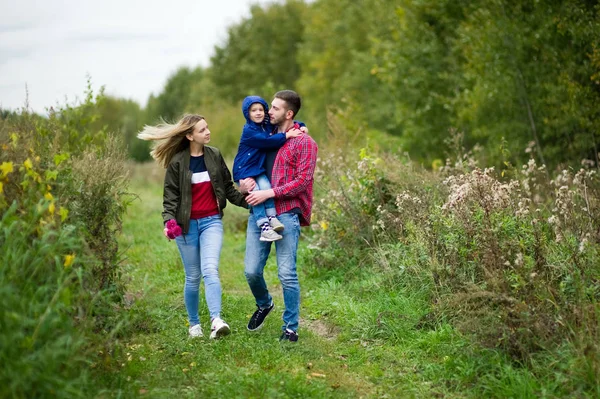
{"points": [[291, 170]]}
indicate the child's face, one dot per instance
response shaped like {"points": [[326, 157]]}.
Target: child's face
{"points": [[257, 113]]}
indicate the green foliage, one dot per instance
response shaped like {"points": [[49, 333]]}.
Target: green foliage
{"points": [[62, 197], [173, 101], [124, 119], [43, 349], [259, 56], [339, 57], [496, 69], [512, 263]]}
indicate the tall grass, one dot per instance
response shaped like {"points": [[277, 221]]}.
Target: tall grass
{"points": [[511, 258]]}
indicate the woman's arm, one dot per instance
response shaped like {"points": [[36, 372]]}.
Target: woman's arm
{"points": [[171, 192]]}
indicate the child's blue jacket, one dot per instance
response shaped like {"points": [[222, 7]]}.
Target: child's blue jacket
{"points": [[255, 141]]}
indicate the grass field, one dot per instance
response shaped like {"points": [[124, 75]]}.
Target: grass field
{"points": [[356, 340]]}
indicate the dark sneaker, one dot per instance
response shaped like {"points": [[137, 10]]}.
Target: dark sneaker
{"points": [[289, 335], [258, 318]]}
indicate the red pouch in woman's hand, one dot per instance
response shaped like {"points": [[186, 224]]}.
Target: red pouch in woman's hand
{"points": [[173, 229]]}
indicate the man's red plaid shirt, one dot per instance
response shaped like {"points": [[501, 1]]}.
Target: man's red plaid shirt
{"points": [[292, 178]]}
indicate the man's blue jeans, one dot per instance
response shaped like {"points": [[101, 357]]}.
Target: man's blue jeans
{"points": [[257, 253], [200, 251]]}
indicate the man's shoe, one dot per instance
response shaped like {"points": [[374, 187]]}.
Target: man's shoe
{"points": [[258, 318], [289, 335], [276, 224], [219, 329], [270, 235], [196, 331]]}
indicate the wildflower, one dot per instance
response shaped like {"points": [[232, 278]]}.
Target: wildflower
{"points": [[587, 163], [28, 165], [68, 260], [6, 168], [64, 213], [519, 259]]}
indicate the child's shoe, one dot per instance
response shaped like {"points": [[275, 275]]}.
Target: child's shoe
{"points": [[269, 235], [276, 224]]}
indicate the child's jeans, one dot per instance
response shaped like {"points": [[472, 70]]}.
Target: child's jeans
{"points": [[263, 211]]}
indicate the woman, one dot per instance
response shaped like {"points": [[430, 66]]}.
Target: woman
{"points": [[197, 184]]}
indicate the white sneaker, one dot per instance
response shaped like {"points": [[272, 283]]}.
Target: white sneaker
{"points": [[276, 224], [196, 331], [219, 329], [270, 235]]}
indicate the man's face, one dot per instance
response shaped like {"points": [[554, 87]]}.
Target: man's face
{"points": [[257, 113], [278, 112]]}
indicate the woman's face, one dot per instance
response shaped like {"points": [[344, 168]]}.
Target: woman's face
{"points": [[200, 134]]}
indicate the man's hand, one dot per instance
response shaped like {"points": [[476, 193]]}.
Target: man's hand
{"points": [[260, 196], [247, 185]]}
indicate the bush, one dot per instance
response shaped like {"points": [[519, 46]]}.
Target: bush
{"points": [[62, 195], [511, 258]]}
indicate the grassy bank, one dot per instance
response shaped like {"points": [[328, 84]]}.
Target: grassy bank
{"points": [[360, 335]]}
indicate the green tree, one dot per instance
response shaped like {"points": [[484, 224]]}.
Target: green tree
{"points": [[172, 102], [259, 56], [337, 58]]}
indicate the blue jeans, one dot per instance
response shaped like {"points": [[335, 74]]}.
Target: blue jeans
{"points": [[267, 208], [257, 253], [200, 251]]}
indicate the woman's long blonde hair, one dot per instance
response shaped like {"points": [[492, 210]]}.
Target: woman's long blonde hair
{"points": [[170, 138]]}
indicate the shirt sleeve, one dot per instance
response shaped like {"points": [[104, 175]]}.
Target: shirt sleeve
{"points": [[256, 138]]}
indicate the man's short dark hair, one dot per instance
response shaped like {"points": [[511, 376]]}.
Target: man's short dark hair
{"points": [[291, 98]]}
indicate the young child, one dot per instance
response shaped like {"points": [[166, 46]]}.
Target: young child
{"points": [[249, 161]]}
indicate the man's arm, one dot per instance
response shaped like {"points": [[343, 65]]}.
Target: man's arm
{"points": [[259, 196]]}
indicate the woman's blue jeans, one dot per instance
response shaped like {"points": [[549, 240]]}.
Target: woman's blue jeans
{"points": [[200, 251], [257, 253]]}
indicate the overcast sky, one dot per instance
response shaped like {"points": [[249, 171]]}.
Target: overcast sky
{"points": [[130, 47]]}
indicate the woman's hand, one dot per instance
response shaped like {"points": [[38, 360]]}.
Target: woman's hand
{"points": [[247, 185], [172, 230]]}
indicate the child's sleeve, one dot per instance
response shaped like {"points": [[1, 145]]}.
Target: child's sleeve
{"points": [[256, 138]]}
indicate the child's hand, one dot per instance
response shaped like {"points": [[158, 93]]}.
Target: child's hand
{"points": [[290, 134], [247, 185], [304, 129]]}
